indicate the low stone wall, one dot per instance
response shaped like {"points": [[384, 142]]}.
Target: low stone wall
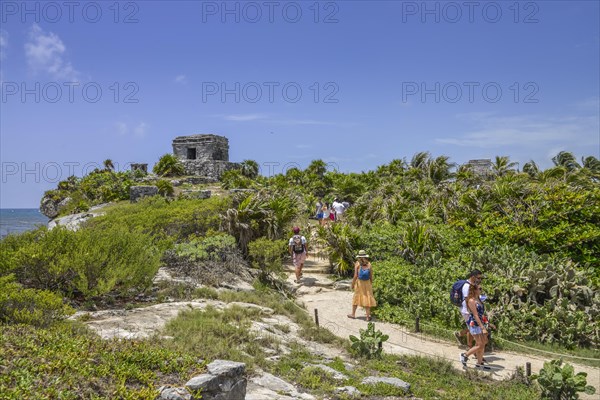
{"points": [[196, 194], [210, 170], [137, 192]]}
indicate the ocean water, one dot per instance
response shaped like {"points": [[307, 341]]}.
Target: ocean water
{"points": [[15, 220]]}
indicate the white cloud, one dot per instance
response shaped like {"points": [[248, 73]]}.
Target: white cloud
{"points": [[122, 128], [45, 53], [272, 120], [181, 79], [140, 129], [528, 137], [304, 122], [592, 104], [244, 117], [3, 43], [490, 131], [3, 47]]}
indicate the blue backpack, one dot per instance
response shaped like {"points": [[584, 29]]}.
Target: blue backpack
{"points": [[456, 295]]}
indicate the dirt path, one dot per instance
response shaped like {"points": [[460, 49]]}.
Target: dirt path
{"points": [[316, 292]]}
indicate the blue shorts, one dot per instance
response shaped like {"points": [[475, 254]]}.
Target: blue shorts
{"points": [[320, 216], [475, 330]]}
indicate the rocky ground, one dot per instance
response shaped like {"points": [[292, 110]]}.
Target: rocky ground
{"points": [[316, 291]]}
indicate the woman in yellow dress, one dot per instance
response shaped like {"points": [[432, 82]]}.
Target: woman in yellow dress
{"points": [[362, 284]]}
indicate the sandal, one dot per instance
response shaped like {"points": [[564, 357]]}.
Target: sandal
{"points": [[369, 318], [351, 316]]}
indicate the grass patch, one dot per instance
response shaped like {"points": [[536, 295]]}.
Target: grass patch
{"points": [[66, 361], [429, 378], [266, 297], [215, 334]]}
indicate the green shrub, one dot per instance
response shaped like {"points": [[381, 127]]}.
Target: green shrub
{"points": [[267, 255], [210, 260], [234, 179], [99, 186], [165, 188], [88, 262], [561, 383], [29, 306], [169, 165], [214, 247], [171, 221], [369, 344]]}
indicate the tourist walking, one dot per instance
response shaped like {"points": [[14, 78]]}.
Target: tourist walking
{"points": [[338, 208], [477, 328], [326, 212], [319, 210], [362, 284], [298, 249], [475, 278]]}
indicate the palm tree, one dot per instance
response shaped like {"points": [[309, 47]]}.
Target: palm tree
{"points": [[418, 166], [396, 167], [567, 160], [591, 163], [502, 165], [316, 167], [108, 165], [420, 160], [249, 168], [439, 169], [531, 168]]}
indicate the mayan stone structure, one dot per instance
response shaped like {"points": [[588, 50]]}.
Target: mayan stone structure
{"points": [[140, 167], [481, 167], [204, 155]]}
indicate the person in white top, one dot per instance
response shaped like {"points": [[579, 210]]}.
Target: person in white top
{"points": [[338, 208], [475, 278], [325, 220]]}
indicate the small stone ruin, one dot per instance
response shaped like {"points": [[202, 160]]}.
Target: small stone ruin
{"points": [[140, 167], [204, 155]]}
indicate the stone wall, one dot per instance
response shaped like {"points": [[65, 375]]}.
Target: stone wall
{"points": [[201, 147], [481, 167], [139, 167], [212, 170], [137, 192]]}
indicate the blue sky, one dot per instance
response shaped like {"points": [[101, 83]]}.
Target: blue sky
{"points": [[355, 83]]}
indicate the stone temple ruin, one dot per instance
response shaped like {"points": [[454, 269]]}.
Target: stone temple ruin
{"points": [[481, 167], [205, 156]]}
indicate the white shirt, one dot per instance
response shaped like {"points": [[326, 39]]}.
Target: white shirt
{"points": [[465, 292], [338, 207]]}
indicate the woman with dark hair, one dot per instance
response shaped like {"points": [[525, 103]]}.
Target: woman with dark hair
{"points": [[476, 327]]}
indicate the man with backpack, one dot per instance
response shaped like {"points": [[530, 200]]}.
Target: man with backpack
{"points": [[458, 294], [299, 251]]}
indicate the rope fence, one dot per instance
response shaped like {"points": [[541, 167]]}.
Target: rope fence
{"points": [[434, 355], [334, 327], [439, 328]]}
